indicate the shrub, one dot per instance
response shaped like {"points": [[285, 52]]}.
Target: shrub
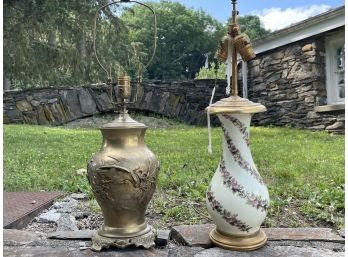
{"points": [[210, 73]]}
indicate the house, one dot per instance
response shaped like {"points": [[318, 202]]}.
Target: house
{"points": [[299, 74]]}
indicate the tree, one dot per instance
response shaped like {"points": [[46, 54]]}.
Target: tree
{"points": [[50, 42], [251, 25], [184, 36]]}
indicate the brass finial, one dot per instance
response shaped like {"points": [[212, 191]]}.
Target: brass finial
{"points": [[234, 4], [234, 11], [233, 32]]}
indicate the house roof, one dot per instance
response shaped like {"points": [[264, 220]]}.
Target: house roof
{"points": [[327, 21]]}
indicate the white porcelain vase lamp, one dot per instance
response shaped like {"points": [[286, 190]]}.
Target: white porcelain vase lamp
{"points": [[237, 197]]}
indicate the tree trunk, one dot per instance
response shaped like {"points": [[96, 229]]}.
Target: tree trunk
{"points": [[7, 84], [52, 38], [82, 47]]}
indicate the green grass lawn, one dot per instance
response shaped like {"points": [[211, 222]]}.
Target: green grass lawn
{"points": [[304, 170]]}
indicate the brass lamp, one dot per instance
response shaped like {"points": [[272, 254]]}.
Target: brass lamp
{"points": [[123, 173], [237, 198]]}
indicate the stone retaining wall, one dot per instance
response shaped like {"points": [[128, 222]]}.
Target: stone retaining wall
{"points": [[185, 101], [48, 106], [289, 81]]}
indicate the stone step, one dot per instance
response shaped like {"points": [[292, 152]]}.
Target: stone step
{"points": [[198, 235], [293, 243], [66, 252], [267, 251], [272, 251]]}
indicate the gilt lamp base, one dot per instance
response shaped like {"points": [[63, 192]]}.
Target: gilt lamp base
{"points": [[238, 243], [146, 240]]}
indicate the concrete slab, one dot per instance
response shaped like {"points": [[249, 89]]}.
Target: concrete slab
{"points": [[15, 237]]}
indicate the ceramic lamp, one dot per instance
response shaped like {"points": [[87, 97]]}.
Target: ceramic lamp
{"points": [[237, 197]]}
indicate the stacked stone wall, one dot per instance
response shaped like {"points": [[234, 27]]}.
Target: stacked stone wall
{"points": [[290, 81], [184, 101], [50, 106]]}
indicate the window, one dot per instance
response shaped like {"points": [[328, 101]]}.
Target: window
{"points": [[335, 67]]}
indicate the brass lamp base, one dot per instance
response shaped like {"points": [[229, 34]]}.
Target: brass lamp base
{"points": [[146, 240], [238, 243]]}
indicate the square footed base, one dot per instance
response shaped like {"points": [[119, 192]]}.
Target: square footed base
{"points": [[146, 240]]}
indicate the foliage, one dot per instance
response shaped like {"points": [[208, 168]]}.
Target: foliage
{"points": [[38, 36], [50, 42], [211, 72], [184, 36], [251, 25], [304, 170]]}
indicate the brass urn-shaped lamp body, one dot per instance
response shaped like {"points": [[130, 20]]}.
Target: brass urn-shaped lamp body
{"points": [[123, 173], [123, 179]]}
